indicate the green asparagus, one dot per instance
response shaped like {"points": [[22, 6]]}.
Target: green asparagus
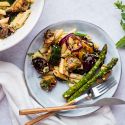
{"points": [[102, 72], [88, 76]]}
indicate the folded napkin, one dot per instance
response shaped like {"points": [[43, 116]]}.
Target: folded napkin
{"points": [[14, 87]]}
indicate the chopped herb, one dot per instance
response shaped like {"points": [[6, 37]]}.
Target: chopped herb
{"points": [[123, 15], [10, 1], [55, 56], [122, 24], [30, 54]]}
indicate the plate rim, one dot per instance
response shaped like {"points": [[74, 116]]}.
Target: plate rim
{"points": [[53, 24]]}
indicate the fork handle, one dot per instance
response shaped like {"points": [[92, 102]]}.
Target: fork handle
{"points": [[42, 117]]}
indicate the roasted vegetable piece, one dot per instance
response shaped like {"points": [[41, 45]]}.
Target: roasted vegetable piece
{"points": [[63, 67], [5, 31], [10, 1], [88, 61], [55, 55], [48, 38], [89, 75], [73, 63], [19, 6], [101, 73], [104, 77], [86, 46], [80, 34], [64, 39], [48, 82], [74, 43], [41, 65], [75, 76], [58, 74]]}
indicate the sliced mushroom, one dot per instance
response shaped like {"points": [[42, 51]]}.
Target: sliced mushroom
{"points": [[48, 38], [104, 78], [41, 65], [48, 82]]}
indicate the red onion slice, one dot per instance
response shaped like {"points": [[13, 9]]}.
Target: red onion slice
{"points": [[64, 39]]}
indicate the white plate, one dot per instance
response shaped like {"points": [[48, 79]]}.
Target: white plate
{"points": [[20, 34], [55, 98]]}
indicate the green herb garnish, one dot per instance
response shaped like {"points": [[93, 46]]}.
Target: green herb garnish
{"points": [[121, 6], [30, 54], [121, 43], [11, 1], [55, 55], [80, 34]]}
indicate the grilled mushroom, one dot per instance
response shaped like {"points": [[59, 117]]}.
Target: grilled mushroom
{"points": [[41, 65], [48, 82], [48, 38]]}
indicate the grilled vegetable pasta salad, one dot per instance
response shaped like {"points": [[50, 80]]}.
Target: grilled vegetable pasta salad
{"points": [[13, 14], [72, 57]]}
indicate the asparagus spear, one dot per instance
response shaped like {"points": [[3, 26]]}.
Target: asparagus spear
{"points": [[88, 76], [102, 72]]}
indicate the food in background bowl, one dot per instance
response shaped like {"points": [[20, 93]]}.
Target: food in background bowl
{"points": [[13, 14]]}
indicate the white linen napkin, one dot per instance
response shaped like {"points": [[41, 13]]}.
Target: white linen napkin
{"points": [[14, 87]]}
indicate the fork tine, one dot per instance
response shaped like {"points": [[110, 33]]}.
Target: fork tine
{"points": [[104, 91], [106, 88], [99, 85], [103, 88], [105, 84]]}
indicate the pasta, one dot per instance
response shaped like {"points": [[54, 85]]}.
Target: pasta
{"points": [[4, 4], [13, 15], [4, 21], [20, 20], [2, 12]]}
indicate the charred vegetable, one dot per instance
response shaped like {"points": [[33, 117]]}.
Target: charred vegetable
{"points": [[58, 74], [101, 73], [48, 82], [74, 43], [55, 55], [19, 6], [40, 65], [48, 38], [10, 1], [88, 61], [5, 31], [73, 63]]}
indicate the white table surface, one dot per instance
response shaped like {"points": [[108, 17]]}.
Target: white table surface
{"points": [[99, 12]]}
